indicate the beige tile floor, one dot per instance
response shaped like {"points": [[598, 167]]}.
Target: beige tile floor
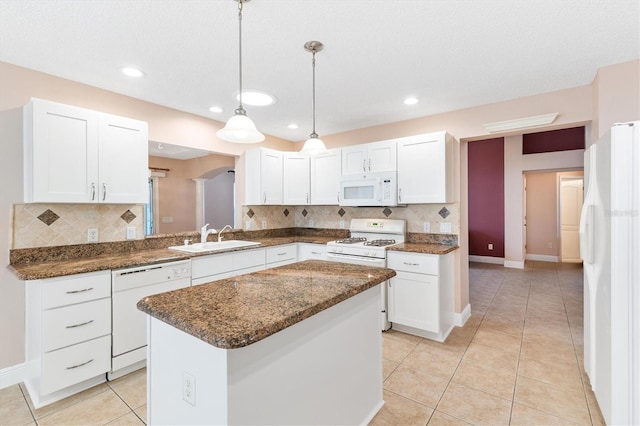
{"points": [[518, 360]]}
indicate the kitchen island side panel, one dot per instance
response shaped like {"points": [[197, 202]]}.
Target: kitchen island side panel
{"points": [[326, 369]]}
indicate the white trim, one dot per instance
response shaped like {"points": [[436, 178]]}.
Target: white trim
{"points": [[542, 257], [521, 123], [460, 319], [519, 264], [12, 375], [486, 259]]}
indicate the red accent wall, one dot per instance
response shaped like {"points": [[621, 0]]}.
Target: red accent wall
{"points": [[486, 197], [554, 140]]}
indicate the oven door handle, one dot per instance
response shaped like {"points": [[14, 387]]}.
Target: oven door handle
{"points": [[354, 258]]}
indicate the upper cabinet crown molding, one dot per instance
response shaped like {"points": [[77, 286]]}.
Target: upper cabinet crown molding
{"points": [[76, 155]]}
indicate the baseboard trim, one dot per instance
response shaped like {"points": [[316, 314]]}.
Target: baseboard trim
{"points": [[13, 375], [460, 319], [486, 259], [514, 264], [542, 258]]}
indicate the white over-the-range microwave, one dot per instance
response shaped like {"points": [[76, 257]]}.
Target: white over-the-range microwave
{"points": [[369, 189]]}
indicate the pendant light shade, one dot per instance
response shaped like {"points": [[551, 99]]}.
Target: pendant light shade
{"points": [[240, 128], [313, 145]]}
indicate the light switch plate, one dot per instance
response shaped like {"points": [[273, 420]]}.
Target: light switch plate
{"points": [[445, 227], [426, 227], [131, 232], [264, 223]]}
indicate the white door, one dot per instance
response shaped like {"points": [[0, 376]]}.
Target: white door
{"points": [[295, 179], [354, 159], [325, 178], [381, 156], [271, 176], [123, 160], [571, 198], [64, 151], [421, 170]]}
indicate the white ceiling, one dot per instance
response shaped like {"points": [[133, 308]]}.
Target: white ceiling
{"points": [[451, 54]]}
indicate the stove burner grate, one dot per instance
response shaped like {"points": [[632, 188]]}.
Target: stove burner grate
{"points": [[380, 243], [352, 240]]}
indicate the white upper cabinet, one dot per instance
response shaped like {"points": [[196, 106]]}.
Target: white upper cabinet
{"points": [[325, 177], [369, 157], [296, 178], [263, 176], [75, 155], [426, 167]]}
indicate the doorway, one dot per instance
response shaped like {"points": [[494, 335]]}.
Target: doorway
{"points": [[552, 205]]}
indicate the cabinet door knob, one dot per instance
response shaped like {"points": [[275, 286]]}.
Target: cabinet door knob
{"points": [[264, 197], [104, 191], [399, 194], [369, 164], [93, 191], [364, 167]]}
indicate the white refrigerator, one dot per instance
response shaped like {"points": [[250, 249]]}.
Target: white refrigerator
{"points": [[610, 249]]}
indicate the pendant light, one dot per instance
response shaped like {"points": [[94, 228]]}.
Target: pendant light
{"points": [[313, 145], [240, 128]]}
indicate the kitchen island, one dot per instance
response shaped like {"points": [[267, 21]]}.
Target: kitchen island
{"points": [[298, 344]]}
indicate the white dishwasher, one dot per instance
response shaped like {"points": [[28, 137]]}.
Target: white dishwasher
{"points": [[129, 328]]}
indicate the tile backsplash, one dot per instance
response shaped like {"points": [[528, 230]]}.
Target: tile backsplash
{"points": [[331, 216], [45, 225]]}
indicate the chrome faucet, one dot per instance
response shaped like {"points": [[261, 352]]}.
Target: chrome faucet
{"points": [[223, 229], [204, 233]]}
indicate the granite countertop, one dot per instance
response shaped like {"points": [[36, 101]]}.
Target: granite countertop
{"points": [[57, 268], [236, 312], [102, 262], [424, 248]]}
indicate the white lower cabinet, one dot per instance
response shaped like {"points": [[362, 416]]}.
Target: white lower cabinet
{"points": [[281, 255], [420, 296], [308, 251], [205, 269], [68, 347]]}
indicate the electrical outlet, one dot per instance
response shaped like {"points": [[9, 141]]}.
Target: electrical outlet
{"points": [[445, 227], [490, 247], [342, 224], [189, 388], [550, 245], [264, 223], [167, 219], [426, 227], [92, 235], [247, 225], [131, 232], [310, 223]]}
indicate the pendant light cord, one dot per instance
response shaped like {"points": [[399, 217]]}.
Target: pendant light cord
{"points": [[313, 96], [240, 109]]}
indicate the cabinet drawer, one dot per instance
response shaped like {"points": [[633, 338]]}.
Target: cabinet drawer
{"points": [[413, 262], [73, 324], [75, 289], [281, 253], [74, 364], [248, 259], [211, 265]]}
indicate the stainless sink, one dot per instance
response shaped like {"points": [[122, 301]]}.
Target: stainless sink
{"points": [[213, 246]]}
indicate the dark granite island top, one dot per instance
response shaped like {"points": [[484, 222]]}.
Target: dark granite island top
{"points": [[236, 312]]}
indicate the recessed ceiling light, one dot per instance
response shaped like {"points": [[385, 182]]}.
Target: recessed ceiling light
{"points": [[411, 101], [215, 109], [132, 72], [293, 126], [256, 98]]}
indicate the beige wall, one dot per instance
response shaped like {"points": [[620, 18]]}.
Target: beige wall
{"points": [[542, 214]]}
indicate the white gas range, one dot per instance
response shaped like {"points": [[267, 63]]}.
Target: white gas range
{"points": [[368, 246]]}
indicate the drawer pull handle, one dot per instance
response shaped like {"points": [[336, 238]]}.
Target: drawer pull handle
{"points": [[315, 252], [79, 325], [411, 264], [79, 365], [80, 291], [282, 254]]}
